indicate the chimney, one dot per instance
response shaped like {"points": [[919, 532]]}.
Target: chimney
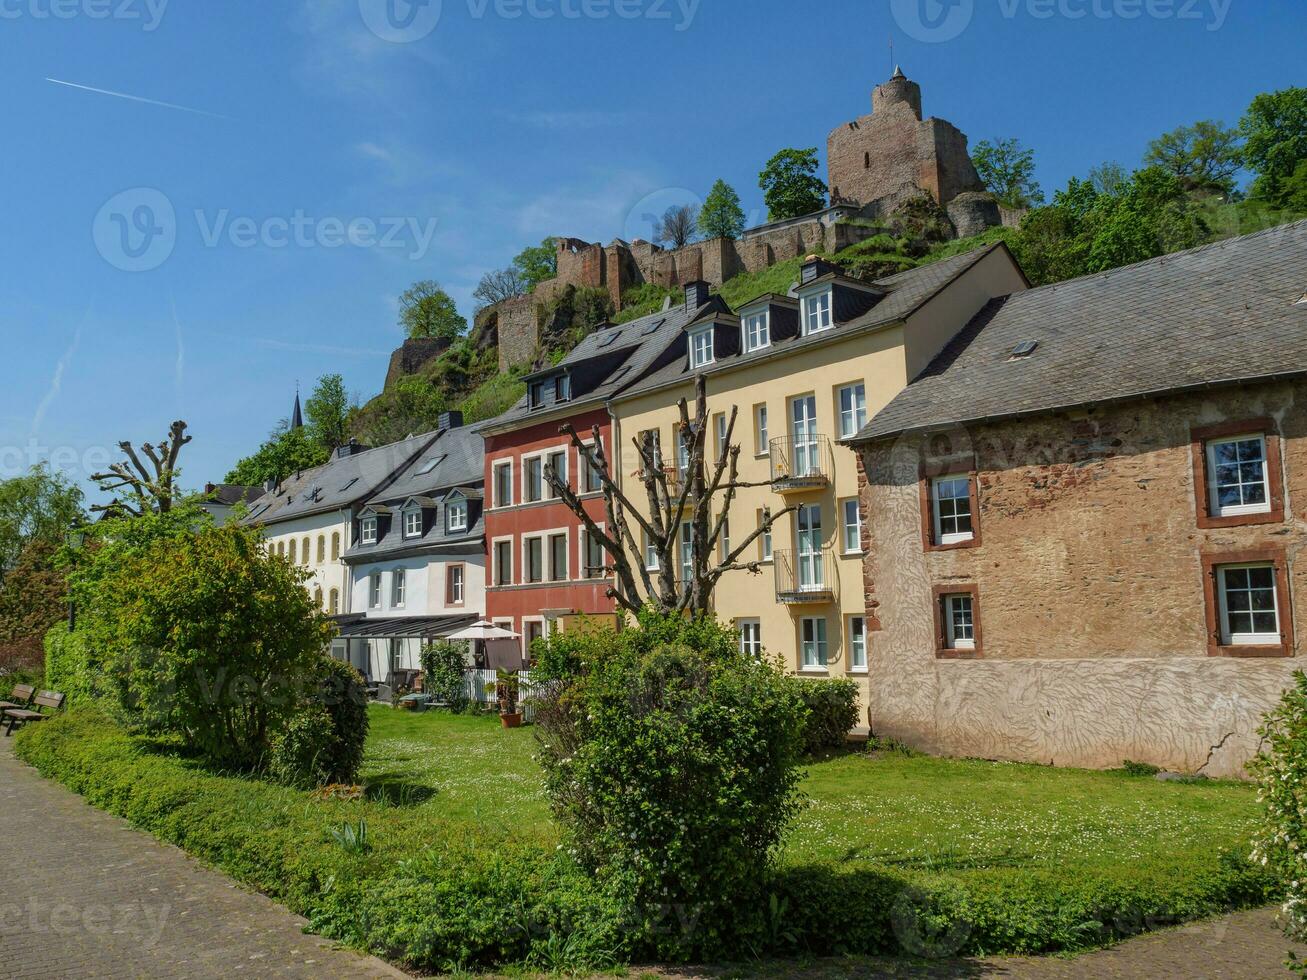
{"points": [[696, 294], [269, 486], [452, 419], [349, 449]]}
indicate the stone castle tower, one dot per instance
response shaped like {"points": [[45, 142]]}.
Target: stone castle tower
{"points": [[879, 161]]}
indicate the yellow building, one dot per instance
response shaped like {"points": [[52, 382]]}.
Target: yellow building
{"points": [[805, 371]]}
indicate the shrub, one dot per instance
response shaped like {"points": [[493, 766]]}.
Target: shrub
{"points": [[299, 752], [443, 676], [1281, 769], [832, 711], [68, 665], [1132, 768], [345, 696], [670, 762]]}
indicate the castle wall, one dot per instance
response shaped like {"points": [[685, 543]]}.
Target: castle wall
{"points": [[518, 333]]}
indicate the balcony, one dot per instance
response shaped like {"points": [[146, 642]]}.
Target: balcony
{"points": [[807, 577], [800, 465]]}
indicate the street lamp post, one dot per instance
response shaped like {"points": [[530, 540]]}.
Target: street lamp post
{"points": [[76, 538]]}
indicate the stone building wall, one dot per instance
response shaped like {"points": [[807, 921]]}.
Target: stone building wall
{"points": [[1091, 590]]}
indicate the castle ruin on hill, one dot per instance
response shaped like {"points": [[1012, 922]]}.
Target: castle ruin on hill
{"points": [[875, 164]]}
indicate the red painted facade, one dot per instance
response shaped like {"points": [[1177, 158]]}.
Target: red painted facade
{"points": [[529, 605]]}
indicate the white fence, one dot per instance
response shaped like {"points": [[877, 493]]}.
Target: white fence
{"points": [[476, 682]]}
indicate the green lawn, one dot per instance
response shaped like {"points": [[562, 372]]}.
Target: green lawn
{"points": [[462, 851]]}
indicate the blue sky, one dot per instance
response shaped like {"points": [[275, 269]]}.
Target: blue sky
{"points": [[315, 166]]}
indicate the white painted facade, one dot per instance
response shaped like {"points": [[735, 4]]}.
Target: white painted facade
{"points": [[325, 536]]}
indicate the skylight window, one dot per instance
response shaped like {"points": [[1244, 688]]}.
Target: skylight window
{"points": [[1023, 349], [431, 464], [659, 322], [607, 340], [619, 374], [349, 484], [1303, 301]]}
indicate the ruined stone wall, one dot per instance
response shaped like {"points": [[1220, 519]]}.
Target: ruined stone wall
{"points": [[409, 357], [517, 331], [1091, 591]]}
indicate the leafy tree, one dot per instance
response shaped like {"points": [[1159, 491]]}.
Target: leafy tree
{"points": [[1275, 140], [426, 310], [285, 452], [328, 410], [1295, 190], [676, 227], [413, 404], [443, 672], [33, 597], [721, 216], [499, 285], [790, 184], [1109, 178], [1204, 156], [151, 489], [1008, 171], [537, 263], [38, 506]]}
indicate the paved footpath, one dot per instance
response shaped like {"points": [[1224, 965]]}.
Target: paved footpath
{"points": [[83, 894]]}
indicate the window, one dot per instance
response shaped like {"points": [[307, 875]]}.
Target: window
{"points": [[334, 599], [724, 539], [563, 388], [764, 539], [853, 409], [305, 554], [719, 434], [557, 463], [398, 583], [593, 483], [857, 634], [532, 630], [374, 590], [536, 393], [701, 347], [957, 621], [683, 441], [322, 548], [852, 526], [813, 642], [760, 443], [534, 475], [335, 546], [558, 557], [367, 534], [951, 507], [317, 598], [757, 331], [1236, 476], [650, 553], [413, 522], [504, 484], [687, 551], [750, 636], [292, 551], [454, 585], [1249, 610], [504, 562], [593, 556], [281, 548], [456, 514], [535, 559], [812, 570], [816, 313]]}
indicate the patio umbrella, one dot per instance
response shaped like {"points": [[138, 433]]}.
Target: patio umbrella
{"points": [[483, 630]]}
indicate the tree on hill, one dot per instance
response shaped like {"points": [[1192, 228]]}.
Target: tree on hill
{"points": [[1204, 156], [676, 227], [721, 215], [286, 451], [426, 310], [1109, 177], [328, 410], [1275, 141], [499, 285], [790, 184], [537, 263], [37, 506], [1008, 171]]}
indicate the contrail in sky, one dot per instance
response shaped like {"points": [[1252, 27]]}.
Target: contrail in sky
{"points": [[136, 98]]}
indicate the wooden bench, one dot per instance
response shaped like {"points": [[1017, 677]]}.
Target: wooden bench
{"points": [[22, 716], [22, 695]]}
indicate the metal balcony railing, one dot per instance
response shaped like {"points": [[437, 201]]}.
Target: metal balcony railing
{"points": [[804, 576], [805, 463]]}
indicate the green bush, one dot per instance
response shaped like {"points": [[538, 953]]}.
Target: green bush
{"points": [[1281, 769], [300, 751], [68, 665], [670, 762], [344, 694], [443, 677], [832, 711]]}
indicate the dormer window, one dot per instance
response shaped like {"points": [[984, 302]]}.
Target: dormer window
{"points": [[701, 347], [563, 388], [456, 513], [817, 312], [413, 522], [368, 530], [757, 331], [536, 394]]}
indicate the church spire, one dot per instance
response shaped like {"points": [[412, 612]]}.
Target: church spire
{"points": [[296, 416]]}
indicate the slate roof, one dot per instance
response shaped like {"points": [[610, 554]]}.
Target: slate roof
{"points": [[338, 483], [1220, 314], [905, 293], [230, 494]]}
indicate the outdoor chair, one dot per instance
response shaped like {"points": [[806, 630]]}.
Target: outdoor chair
{"points": [[22, 716], [22, 695]]}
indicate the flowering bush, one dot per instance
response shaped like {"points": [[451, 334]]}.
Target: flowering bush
{"points": [[1281, 769]]}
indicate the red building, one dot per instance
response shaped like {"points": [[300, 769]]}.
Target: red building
{"points": [[542, 569]]}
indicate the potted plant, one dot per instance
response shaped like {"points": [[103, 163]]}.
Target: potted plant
{"points": [[506, 687]]}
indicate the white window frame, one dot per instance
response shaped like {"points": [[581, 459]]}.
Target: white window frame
{"points": [[820, 649], [410, 513], [456, 597], [855, 417], [526, 558], [503, 464], [685, 551], [565, 477], [584, 469], [367, 530], [455, 506], [951, 640], [750, 631], [719, 435], [953, 537], [698, 350], [374, 590], [1230, 638], [559, 532], [857, 642], [846, 505], [761, 446], [494, 560], [765, 539], [398, 587], [1213, 494], [755, 328], [818, 306], [649, 566], [582, 547], [527, 460]]}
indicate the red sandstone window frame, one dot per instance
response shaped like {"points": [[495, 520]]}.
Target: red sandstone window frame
{"points": [[1200, 436], [1270, 554], [942, 650], [927, 474]]}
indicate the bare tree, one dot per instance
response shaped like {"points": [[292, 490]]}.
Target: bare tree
{"points": [[672, 497], [499, 285], [151, 489], [678, 225]]}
